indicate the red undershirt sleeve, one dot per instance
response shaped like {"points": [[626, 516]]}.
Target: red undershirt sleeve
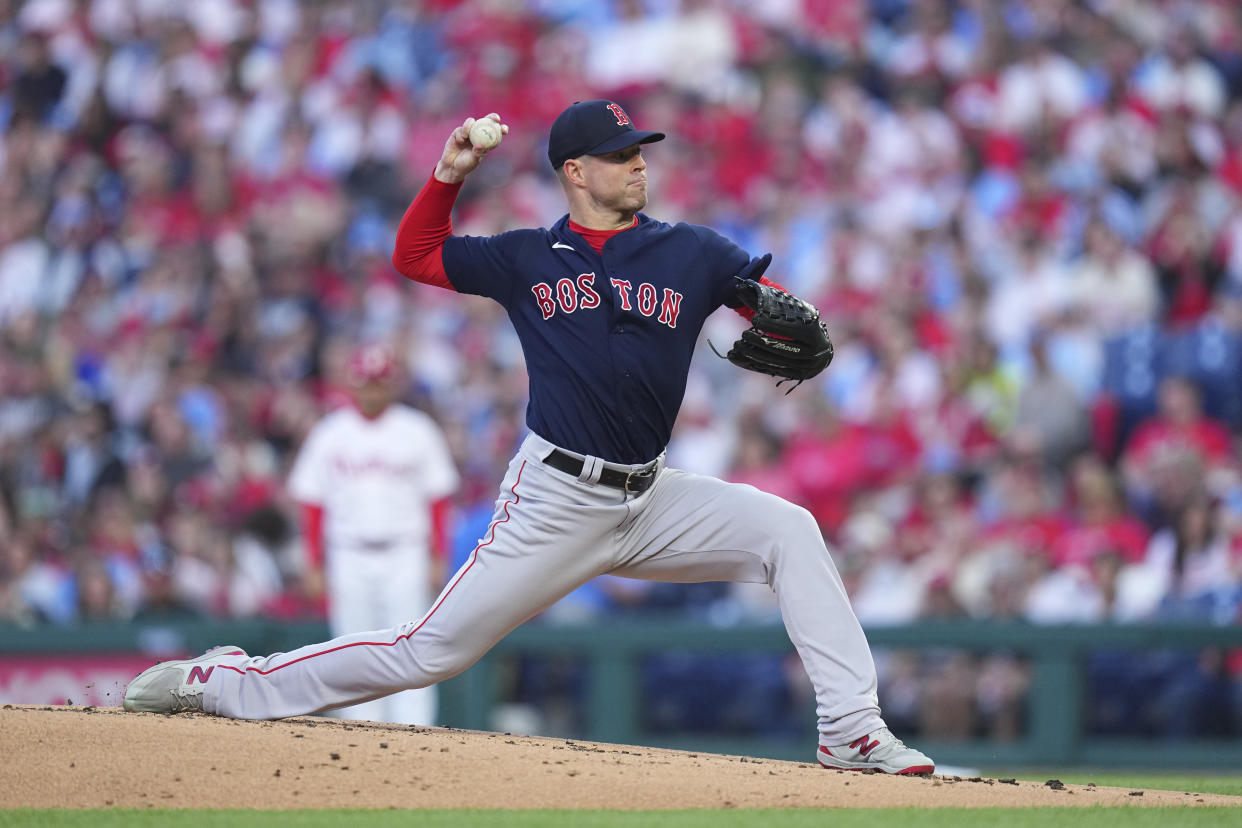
{"points": [[312, 530], [440, 528], [427, 223]]}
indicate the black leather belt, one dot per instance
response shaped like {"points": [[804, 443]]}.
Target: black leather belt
{"points": [[635, 482]]}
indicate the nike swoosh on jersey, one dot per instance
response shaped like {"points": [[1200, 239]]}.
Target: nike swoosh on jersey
{"points": [[555, 245]]}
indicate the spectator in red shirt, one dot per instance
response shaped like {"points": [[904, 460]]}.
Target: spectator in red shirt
{"points": [[828, 462], [756, 461], [1101, 523], [1026, 513], [1169, 455], [1186, 264], [940, 522]]}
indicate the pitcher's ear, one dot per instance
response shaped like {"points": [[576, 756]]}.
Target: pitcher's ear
{"points": [[573, 170]]}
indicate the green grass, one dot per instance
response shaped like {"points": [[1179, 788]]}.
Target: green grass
{"points": [[1123, 817], [1203, 783]]}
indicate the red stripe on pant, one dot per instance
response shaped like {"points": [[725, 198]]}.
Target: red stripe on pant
{"points": [[473, 557]]}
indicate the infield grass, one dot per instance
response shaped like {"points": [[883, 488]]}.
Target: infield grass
{"points": [[1228, 785], [1093, 817]]}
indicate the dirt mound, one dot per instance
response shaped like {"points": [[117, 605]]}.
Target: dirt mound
{"points": [[87, 757]]}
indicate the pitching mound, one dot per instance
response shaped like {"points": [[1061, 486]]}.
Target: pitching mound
{"points": [[101, 757]]}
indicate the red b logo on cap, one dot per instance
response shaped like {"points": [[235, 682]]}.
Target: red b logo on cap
{"points": [[622, 118]]}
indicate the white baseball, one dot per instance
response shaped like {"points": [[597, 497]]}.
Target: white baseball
{"points": [[485, 134]]}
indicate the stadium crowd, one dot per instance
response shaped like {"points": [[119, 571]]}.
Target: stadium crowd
{"points": [[1022, 222]]}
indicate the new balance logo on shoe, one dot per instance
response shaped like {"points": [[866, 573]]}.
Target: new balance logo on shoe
{"points": [[201, 675], [860, 744]]}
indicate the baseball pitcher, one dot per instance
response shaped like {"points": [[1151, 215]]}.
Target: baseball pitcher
{"points": [[608, 304]]}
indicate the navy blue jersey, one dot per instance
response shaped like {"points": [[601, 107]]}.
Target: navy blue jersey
{"points": [[607, 336]]}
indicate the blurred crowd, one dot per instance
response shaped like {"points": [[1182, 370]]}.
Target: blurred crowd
{"points": [[1022, 222]]}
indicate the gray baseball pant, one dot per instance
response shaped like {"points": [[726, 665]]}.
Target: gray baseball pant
{"points": [[552, 532]]}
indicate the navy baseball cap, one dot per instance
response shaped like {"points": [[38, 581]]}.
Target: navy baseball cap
{"points": [[593, 128]]}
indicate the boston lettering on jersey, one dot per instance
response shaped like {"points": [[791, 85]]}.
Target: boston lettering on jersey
{"points": [[607, 336], [579, 294]]}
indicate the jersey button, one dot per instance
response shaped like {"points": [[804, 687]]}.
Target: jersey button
{"points": [[618, 329]]}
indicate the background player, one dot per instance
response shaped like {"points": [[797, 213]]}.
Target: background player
{"points": [[608, 305], [374, 482]]}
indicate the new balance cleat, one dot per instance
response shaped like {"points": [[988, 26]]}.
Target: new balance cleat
{"points": [[176, 686], [879, 750]]}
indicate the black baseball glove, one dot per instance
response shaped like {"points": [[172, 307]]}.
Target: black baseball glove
{"points": [[785, 339]]}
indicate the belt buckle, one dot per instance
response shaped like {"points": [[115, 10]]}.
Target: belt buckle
{"points": [[644, 476]]}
